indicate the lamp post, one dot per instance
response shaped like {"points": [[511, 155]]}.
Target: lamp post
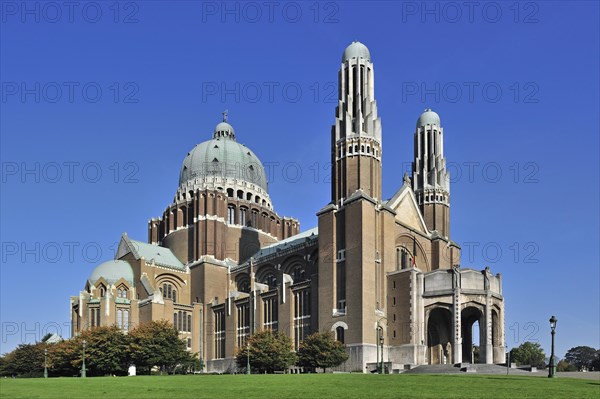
{"points": [[247, 357], [379, 351], [552, 366], [45, 362], [83, 362]]}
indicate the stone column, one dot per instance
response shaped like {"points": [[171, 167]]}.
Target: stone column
{"points": [[456, 323], [487, 349]]}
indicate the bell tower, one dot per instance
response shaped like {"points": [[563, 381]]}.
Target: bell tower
{"points": [[351, 285], [430, 178], [356, 135]]}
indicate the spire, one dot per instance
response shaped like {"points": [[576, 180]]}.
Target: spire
{"points": [[224, 115], [430, 178]]}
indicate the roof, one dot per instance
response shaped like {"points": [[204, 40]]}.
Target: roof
{"points": [[156, 254], [288, 243], [112, 271], [223, 157], [356, 50], [428, 117]]}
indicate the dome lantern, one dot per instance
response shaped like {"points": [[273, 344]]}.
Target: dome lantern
{"points": [[224, 129]]}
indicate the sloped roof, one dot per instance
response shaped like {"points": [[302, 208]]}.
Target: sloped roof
{"points": [[289, 242], [161, 256]]}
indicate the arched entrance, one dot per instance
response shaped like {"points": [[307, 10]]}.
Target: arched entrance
{"points": [[471, 316], [439, 336]]}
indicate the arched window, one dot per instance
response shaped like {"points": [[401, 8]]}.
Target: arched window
{"points": [[339, 334], [230, 192], [240, 194], [270, 280], [174, 296], [243, 285], [298, 274], [169, 292], [231, 214], [243, 216]]}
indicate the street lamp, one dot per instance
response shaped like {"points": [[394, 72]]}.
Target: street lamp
{"points": [[379, 351], [45, 362], [247, 357], [83, 362], [552, 366]]}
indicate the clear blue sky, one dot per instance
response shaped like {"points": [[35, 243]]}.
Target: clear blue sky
{"points": [[101, 102]]}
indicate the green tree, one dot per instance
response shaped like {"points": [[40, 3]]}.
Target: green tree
{"points": [[269, 351], [156, 343], [64, 358], [321, 350], [530, 353], [581, 357], [563, 365], [27, 360], [106, 351], [596, 361]]}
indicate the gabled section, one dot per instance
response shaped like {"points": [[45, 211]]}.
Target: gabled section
{"points": [[407, 210], [156, 254]]}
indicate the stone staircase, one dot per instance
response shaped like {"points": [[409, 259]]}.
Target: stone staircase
{"points": [[461, 368]]}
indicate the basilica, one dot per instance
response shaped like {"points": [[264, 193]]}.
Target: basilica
{"points": [[382, 274]]}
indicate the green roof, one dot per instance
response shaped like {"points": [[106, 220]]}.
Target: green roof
{"points": [[112, 271], [161, 256]]}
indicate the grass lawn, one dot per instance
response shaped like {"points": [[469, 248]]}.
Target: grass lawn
{"points": [[327, 386]]}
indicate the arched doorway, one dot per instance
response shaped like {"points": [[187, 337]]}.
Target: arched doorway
{"points": [[439, 328], [471, 317]]}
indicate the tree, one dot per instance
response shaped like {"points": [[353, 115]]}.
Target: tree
{"points": [[321, 350], [596, 361], [156, 343], [563, 365], [269, 351], [581, 357], [64, 358], [530, 353], [27, 360], [106, 351]]}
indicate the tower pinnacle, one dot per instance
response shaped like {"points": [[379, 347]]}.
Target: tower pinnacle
{"points": [[431, 180], [356, 135]]}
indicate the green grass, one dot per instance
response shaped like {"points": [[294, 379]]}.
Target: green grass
{"points": [[329, 386]]}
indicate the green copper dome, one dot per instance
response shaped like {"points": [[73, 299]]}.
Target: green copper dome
{"points": [[356, 50], [112, 271], [223, 157], [428, 117]]}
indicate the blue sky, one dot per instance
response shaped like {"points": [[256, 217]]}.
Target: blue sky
{"points": [[101, 102]]}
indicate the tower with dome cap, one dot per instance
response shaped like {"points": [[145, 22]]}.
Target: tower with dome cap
{"points": [[430, 178]]}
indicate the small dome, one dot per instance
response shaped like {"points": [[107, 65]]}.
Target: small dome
{"points": [[428, 117], [112, 271], [224, 129], [356, 50]]}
